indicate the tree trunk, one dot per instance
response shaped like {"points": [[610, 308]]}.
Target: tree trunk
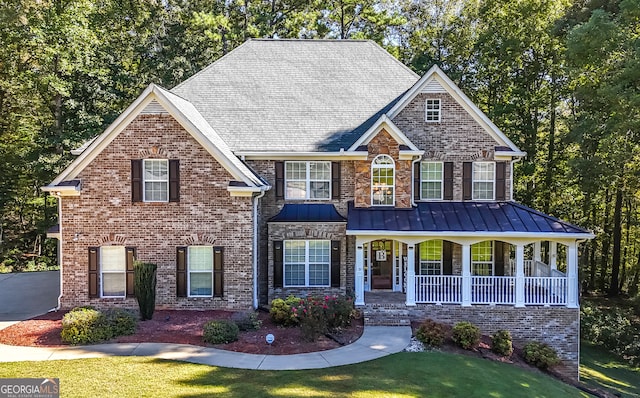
{"points": [[550, 170], [617, 242], [633, 288], [606, 242]]}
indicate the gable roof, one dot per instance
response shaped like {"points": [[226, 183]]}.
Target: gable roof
{"points": [[185, 114], [296, 95], [435, 77]]}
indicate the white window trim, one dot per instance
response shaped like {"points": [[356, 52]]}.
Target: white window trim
{"points": [[427, 109], [306, 264], [492, 263], [393, 186], [144, 181], [474, 180], [307, 179], [213, 266], [441, 181], [123, 272], [441, 261]]}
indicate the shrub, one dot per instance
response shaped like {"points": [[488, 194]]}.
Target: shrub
{"points": [[431, 333], [145, 288], [121, 322], [281, 312], [318, 315], [85, 326], [466, 335], [540, 355], [246, 320], [339, 311], [501, 343], [220, 332]]}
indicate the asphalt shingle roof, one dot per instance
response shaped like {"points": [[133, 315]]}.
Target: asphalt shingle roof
{"points": [[296, 95]]}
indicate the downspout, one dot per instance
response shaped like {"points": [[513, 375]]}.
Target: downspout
{"points": [[413, 178], [56, 308], [256, 200]]}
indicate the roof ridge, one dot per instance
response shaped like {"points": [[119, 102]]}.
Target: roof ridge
{"points": [[310, 40], [387, 53]]}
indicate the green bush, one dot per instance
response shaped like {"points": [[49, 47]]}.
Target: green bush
{"points": [[220, 332], [431, 333], [338, 311], [501, 343], [145, 288], [540, 355], [281, 312], [318, 315], [85, 326], [246, 320], [466, 335], [122, 322]]}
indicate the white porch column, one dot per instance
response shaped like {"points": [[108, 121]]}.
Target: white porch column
{"points": [[537, 251], [359, 274], [466, 275], [520, 275], [572, 275], [553, 255], [411, 276]]}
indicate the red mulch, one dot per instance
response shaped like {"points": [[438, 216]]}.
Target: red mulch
{"points": [[185, 327]]}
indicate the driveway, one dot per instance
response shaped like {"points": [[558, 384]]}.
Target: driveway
{"points": [[25, 295]]}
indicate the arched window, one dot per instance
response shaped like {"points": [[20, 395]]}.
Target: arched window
{"points": [[383, 182]]}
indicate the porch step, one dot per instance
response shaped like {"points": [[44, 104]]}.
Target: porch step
{"points": [[385, 316]]}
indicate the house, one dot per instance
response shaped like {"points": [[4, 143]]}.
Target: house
{"points": [[316, 167]]}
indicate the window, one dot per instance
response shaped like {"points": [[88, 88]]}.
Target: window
{"points": [[382, 181], [482, 258], [156, 180], [431, 180], [483, 180], [431, 257], [113, 267], [307, 262], [432, 110], [308, 180], [200, 268]]}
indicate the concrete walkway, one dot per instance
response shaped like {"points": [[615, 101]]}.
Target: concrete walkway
{"points": [[376, 342]]}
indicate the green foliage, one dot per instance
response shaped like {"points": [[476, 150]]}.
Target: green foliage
{"points": [[121, 322], [220, 332], [318, 315], [281, 311], [431, 333], [247, 320], [501, 343], [86, 325], [466, 335], [145, 288], [540, 355]]}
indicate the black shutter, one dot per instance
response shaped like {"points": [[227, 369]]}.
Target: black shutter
{"points": [[498, 257], [181, 271], [335, 263], [467, 181], [136, 180], [131, 257], [448, 181], [277, 263], [416, 262], [279, 180], [416, 181], [447, 256], [174, 180], [94, 269], [500, 181], [335, 180], [218, 274]]}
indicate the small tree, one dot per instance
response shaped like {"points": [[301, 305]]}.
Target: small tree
{"points": [[145, 288]]}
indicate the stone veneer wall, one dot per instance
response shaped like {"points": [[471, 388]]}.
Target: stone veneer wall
{"points": [[456, 138], [557, 326], [104, 215]]}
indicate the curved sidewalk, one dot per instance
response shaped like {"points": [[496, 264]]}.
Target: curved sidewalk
{"points": [[376, 342]]}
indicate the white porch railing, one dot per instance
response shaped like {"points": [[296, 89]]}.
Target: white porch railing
{"points": [[493, 290], [534, 268], [438, 289], [545, 290]]}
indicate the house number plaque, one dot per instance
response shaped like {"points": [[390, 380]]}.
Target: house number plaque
{"points": [[381, 255]]}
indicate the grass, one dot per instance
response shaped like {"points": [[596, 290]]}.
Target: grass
{"points": [[602, 369], [429, 374]]}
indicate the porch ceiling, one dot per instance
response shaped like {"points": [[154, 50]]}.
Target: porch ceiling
{"points": [[460, 217]]}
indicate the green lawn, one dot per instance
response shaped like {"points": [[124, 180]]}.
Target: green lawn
{"points": [[600, 368], [429, 374]]}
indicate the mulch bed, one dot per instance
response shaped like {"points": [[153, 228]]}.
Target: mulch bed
{"points": [[185, 327]]}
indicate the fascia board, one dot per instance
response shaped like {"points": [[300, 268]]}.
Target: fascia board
{"points": [[482, 234], [392, 129]]}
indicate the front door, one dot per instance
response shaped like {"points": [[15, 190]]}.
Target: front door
{"points": [[381, 264]]}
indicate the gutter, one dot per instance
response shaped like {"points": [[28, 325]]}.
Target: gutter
{"points": [[256, 200]]}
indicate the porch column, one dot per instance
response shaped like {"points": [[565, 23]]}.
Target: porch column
{"points": [[537, 252], [520, 275], [466, 275], [572, 275], [411, 276], [359, 274], [553, 255]]}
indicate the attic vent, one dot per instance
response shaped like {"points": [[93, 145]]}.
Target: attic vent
{"points": [[154, 108], [433, 86]]}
